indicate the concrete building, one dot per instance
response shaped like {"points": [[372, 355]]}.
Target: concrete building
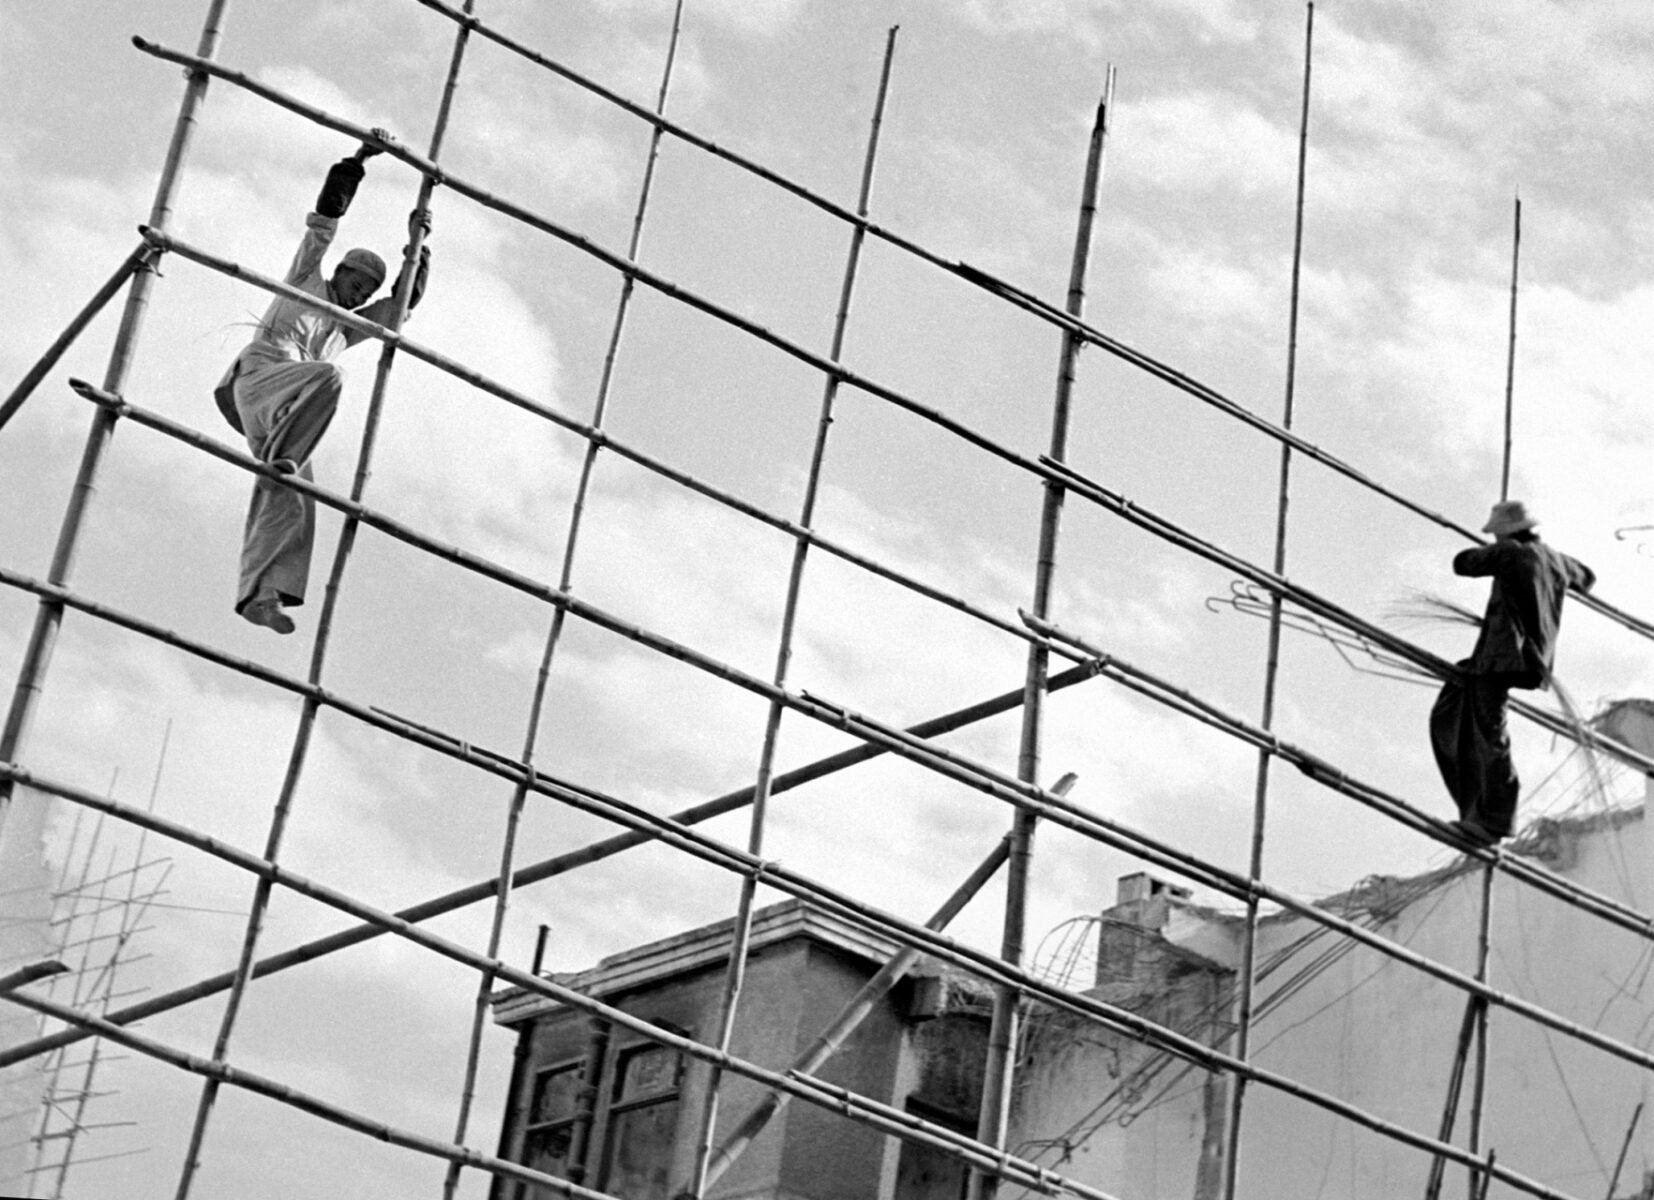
{"points": [[1107, 1110]]}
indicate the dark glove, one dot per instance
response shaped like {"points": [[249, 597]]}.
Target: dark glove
{"points": [[340, 188]]}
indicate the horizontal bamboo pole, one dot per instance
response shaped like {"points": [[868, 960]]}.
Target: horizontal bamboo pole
{"points": [[1053, 314], [1038, 801], [857, 1107], [139, 259], [304, 1102]]}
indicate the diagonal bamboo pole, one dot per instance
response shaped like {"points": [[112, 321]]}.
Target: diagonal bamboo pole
{"points": [[1050, 313], [1478, 1013], [1000, 1068], [403, 293], [514, 811], [1245, 976], [735, 974], [140, 259], [984, 965], [37, 656]]}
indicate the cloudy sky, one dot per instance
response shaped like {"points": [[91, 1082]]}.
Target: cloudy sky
{"points": [[1425, 123]]}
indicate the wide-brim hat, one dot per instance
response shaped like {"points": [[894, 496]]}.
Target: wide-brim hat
{"points": [[1509, 516], [367, 262]]}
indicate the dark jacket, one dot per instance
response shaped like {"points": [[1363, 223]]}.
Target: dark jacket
{"points": [[1518, 640]]}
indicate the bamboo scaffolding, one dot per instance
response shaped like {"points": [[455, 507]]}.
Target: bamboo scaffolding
{"points": [[754, 329], [1004, 1028], [1087, 488], [974, 775], [403, 293], [139, 259], [37, 655], [984, 965], [1044, 466], [1245, 976], [855, 1011], [735, 972]]}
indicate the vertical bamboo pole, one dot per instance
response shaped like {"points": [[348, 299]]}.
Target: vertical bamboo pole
{"points": [[1002, 1033], [519, 796], [736, 970], [1510, 357], [318, 655], [1478, 1092], [1246, 977], [37, 657]]}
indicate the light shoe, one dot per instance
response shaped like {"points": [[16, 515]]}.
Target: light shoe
{"points": [[266, 611], [285, 466], [1477, 834]]}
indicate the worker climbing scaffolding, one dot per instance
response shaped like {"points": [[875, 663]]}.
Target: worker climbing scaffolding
{"points": [[1514, 650], [282, 389]]}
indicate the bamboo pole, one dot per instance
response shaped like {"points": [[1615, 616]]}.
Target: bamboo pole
{"points": [[855, 1011], [37, 655], [537, 872], [1000, 1068], [1625, 1147], [735, 971], [1510, 357], [403, 294], [140, 259], [1455, 1087], [1478, 1012], [1245, 976], [981, 963], [958, 429], [519, 795]]}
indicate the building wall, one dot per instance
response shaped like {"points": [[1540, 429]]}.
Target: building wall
{"points": [[1381, 1035]]}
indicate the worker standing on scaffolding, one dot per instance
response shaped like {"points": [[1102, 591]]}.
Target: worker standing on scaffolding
{"points": [[1515, 650], [281, 391]]}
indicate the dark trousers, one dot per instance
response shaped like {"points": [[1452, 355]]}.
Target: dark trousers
{"points": [[1472, 745]]}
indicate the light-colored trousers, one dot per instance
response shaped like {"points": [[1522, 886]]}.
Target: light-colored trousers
{"points": [[284, 408]]}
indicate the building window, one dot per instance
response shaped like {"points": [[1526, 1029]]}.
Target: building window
{"points": [[643, 1122], [549, 1130]]}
